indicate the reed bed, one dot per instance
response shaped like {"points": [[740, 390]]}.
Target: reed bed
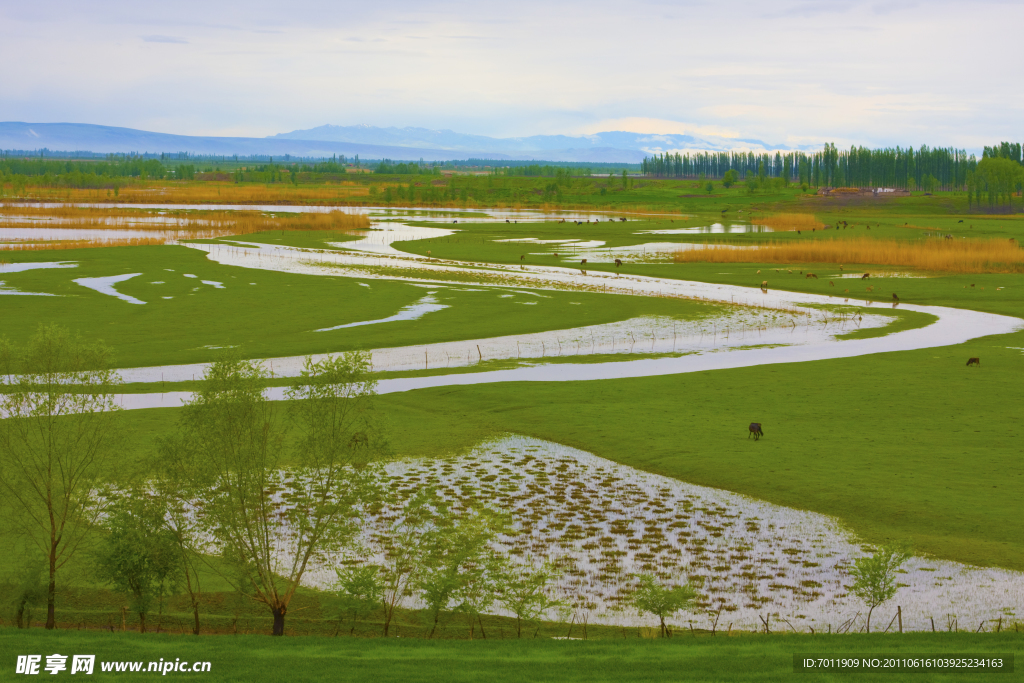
{"points": [[789, 222], [166, 226], [938, 255], [82, 244], [208, 193]]}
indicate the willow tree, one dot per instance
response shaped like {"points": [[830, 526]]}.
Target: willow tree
{"points": [[59, 442], [273, 509]]}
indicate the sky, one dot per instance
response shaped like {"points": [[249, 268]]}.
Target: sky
{"points": [[788, 73]]}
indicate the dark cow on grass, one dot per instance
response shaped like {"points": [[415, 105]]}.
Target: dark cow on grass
{"points": [[755, 431]]}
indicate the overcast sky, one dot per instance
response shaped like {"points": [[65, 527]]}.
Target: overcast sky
{"points": [[872, 73]]}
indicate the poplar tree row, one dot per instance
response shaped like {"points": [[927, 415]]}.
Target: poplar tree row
{"points": [[928, 168]]}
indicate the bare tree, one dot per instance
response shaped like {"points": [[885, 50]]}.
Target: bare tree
{"points": [[59, 441]]}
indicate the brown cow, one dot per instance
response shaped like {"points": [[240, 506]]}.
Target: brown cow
{"points": [[812, 275], [755, 431], [583, 262], [894, 297], [865, 276], [973, 361], [618, 262], [764, 284]]}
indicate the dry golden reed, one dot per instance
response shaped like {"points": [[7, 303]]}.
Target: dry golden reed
{"points": [[939, 255], [209, 193], [83, 244], [176, 226], [785, 222]]}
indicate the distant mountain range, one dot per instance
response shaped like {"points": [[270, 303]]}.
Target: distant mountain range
{"points": [[370, 142]]}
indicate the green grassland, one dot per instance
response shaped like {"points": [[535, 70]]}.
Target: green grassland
{"points": [[738, 658], [278, 315], [908, 445]]}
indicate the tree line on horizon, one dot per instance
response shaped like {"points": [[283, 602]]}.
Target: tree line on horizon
{"points": [[928, 168]]}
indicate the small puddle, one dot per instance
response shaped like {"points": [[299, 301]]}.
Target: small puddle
{"points": [[105, 285], [20, 267], [427, 304]]}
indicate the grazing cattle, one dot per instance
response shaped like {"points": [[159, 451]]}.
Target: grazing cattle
{"points": [[973, 361], [759, 272], [522, 257], [831, 284], [556, 255], [894, 297], [428, 253], [810, 275], [961, 221], [764, 284], [618, 262], [840, 267], [507, 220], [798, 232], [865, 276], [623, 220], [583, 262], [755, 431], [358, 439]]}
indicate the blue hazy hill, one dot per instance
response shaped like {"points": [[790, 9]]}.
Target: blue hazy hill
{"points": [[369, 142]]}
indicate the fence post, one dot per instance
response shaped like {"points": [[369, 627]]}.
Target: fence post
{"points": [[899, 615]]}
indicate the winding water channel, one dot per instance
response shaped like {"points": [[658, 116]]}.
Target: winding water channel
{"points": [[374, 257]]}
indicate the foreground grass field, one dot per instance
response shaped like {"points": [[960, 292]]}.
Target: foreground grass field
{"points": [[745, 658]]}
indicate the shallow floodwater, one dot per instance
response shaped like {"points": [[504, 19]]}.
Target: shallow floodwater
{"points": [[610, 522], [21, 267], [713, 229], [427, 304], [382, 212], [105, 285]]}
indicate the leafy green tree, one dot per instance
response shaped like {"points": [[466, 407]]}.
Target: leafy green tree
{"points": [[272, 513], [651, 597], [60, 442], [29, 591], [139, 555], [526, 593], [403, 547], [176, 486], [709, 187], [752, 183], [875, 576], [360, 592], [730, 178]]}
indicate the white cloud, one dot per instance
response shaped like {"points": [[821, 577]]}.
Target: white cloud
{"points": [[641, 124], [838, 70]]}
